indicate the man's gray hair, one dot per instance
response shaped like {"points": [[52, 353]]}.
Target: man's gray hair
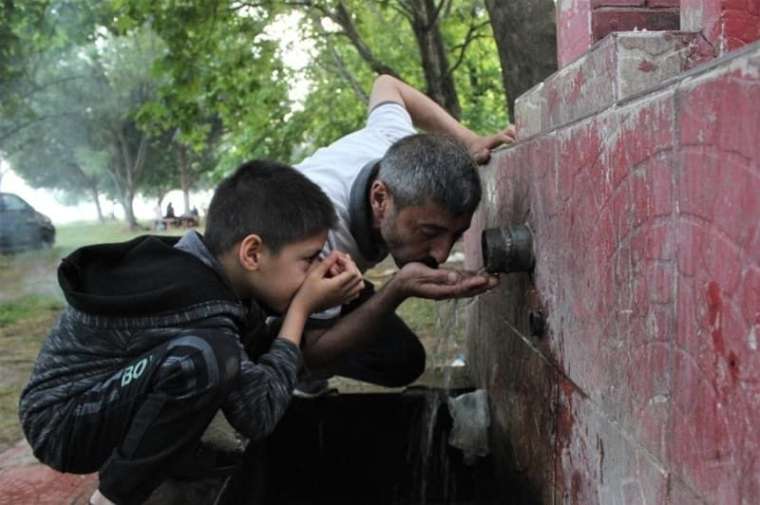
{"points": [[430, 167]]}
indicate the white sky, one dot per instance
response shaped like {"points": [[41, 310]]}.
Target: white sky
{"points": [[44, 201], [296, 53]]}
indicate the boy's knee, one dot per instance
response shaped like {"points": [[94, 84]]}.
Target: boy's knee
{"points": [[196, 363]]}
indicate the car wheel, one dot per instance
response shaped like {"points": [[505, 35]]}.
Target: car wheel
{"points": [[46, 240]]}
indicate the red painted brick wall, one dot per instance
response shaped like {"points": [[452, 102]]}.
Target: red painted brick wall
{"points": [[646, 223], [725, 24], [581, 23]]}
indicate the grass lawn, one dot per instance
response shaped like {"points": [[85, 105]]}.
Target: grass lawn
{"points": [[74, 235], [24, 323], [30, 301]]}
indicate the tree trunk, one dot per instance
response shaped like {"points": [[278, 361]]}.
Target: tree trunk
{"points": [[96, 198], [132, 166], [525, 33], [435, 62], [424, 17], [129, 213], [184, 175]]}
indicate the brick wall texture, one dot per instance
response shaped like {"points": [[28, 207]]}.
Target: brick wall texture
{"points": [[646, 221], [724, 24], [581, 23]]}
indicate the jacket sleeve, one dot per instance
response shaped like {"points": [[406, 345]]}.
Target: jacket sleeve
{"points": [[264, 390]]}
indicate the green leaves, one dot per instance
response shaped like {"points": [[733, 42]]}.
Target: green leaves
{"points": [[206, 78]]}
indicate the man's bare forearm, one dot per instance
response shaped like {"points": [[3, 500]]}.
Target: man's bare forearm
{"points": [[426, 114], [431, 117], [323, 349]]}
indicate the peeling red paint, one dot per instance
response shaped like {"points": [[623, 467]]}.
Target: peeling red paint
{"points": [[733, 367], [714, 302], [581, 23], [577, 87], [565, 419], [647, 66], [575, 488], [725, 24], [644, 214]]}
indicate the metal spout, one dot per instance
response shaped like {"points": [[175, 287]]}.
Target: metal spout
{"points": [[507, 249]]}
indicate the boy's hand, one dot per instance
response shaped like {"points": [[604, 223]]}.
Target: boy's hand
{"points": [[416, 279], [481, 147], [334, 281], [343, 263]]}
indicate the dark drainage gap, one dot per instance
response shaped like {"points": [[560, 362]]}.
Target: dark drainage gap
{"points": [[384, 449]]}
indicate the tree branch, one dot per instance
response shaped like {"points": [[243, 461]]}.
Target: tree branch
{"points": [[403, 8], [242, 5], [37, 88], [473, 33], [343, 17], [438, 9], [140, 159], [309, 4], [347, 76], [339, 63], [5, 135]]}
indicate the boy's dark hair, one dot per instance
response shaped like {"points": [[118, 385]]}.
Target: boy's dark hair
{"points": [[270, 199]]}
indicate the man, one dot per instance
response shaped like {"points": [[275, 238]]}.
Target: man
{"points": [[400, 193]]}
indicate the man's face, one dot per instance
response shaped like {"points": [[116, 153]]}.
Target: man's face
{"points": [[419, 233], [283, 273]]}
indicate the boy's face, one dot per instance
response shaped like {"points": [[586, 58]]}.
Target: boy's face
{"points": [[281, 274]]}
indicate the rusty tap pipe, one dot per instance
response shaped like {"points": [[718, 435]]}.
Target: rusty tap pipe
{"points": [[507, 249]]}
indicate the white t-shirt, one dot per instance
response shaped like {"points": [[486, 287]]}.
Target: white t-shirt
{"points": [[335, 167]]}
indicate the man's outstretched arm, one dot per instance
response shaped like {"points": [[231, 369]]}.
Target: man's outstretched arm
{"points": [[431, 117], [323, 349]]}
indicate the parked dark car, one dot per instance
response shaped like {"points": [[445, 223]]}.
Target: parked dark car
{"points": [[22, 227]]}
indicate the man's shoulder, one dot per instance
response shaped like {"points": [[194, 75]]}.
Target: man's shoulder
{"points": [[387, 122], [334, 168]]}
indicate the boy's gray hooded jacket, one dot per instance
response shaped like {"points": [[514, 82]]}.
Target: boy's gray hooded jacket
{"points": [[128, 298]]}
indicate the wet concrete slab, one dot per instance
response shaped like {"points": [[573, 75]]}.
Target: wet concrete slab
{"points": [[25, 481]]}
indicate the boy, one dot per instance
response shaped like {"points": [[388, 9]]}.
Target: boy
{"points": [[149, 346]]}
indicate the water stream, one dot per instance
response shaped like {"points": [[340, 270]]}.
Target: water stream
{"points": [[448, 354]]}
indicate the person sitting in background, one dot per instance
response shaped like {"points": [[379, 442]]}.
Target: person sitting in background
{"points": [[169, 211], [158, 219], [149, 346]]}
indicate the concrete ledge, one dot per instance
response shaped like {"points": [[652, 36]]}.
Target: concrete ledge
{"points": [[620, 66]]}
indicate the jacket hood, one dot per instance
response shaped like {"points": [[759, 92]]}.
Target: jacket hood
{"points": [[144, 276]]}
